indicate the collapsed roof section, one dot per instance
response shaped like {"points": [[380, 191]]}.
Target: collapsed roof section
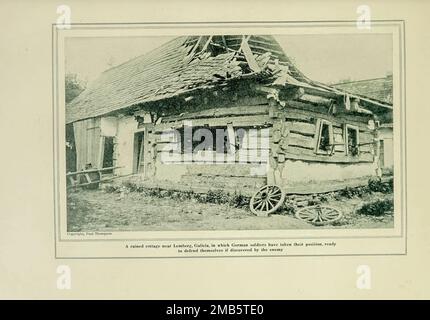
{"points": [[192, 63]]}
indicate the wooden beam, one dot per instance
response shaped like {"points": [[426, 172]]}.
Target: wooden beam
{"points": [[298, 153], [256, 121], [207, 44], [249, 56], [90, 170], [224, 42], [221, 112], [195, 47]]}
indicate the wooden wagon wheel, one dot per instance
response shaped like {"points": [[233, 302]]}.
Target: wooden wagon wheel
{"points": [[319, 215], [267, 200]]}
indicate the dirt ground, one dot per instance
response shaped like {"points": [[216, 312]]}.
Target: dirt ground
{"points": [[98, 210]]}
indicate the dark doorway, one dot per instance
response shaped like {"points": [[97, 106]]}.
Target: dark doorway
{"points": [[108, 153], [138, 151]]}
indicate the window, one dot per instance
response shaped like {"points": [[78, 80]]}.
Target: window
{"points": [[209, 139], [324, 143], [351, 140]]}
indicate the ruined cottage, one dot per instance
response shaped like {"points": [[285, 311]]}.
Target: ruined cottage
{"points": [[272, 124]]}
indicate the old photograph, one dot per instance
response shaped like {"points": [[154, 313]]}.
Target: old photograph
{"points": [[229, 132]]}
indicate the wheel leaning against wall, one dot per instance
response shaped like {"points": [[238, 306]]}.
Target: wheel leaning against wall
{"points": [[267, 200]]}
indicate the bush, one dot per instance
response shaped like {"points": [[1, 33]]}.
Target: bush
{"points": [[376, 185], [130, 185], [155, 192], [217, 196], [377, 208], [324, 198], [349, 192], [238, 200]]}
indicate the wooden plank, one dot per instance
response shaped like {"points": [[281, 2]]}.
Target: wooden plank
{"points": [[338, 138], [316, 100], [191, 54], [337, 130], [220, 112], [304, 128], [249, 55], [365, 137], [90, 171], [367, 148], [239, 121], [307, 112], [100, 181], [339, 148], [207, 43], [297, 153], [339, 142], [302, 141], [295, 114]]}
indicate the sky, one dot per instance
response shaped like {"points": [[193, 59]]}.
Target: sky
{"points": [[326, 58]]}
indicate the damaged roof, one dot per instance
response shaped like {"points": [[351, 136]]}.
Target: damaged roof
{"points": [[189, 63], [179, 66]]}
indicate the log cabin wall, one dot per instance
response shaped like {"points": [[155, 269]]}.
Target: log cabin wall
{"points": [[291, 155], [295, 159], [239, 171]]}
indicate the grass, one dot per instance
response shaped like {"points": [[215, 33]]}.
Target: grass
{"points": [[130, 206]]}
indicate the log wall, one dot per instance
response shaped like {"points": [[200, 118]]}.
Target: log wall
{"points": [[233, 172], [295, 160]]}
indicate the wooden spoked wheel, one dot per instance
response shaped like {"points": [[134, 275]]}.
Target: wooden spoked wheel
{"points": [[267, 200], [319, 215]]}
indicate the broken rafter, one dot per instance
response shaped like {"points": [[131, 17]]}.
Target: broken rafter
{"points": [[207, 44], [224, 42], [244, 47], [195, 46], [244, 40]]}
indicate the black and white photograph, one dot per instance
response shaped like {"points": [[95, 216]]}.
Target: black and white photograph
{"points": [[229, 132]]}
